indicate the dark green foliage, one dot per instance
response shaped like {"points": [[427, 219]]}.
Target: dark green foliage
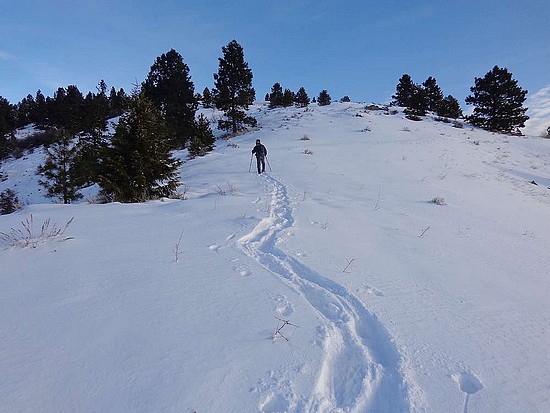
{"points": [[345, 99], [169, 87], [301, 98], [207, 98], [266, 97], [204, 140], [404, 91], [449, 108], [498, 102], [233, 88], [9, 202], [288, 98], [58, 170], [138, 165], [276, 96], [433, 93], [7, 125], [324, 98], [418, 104], [119, 102]]}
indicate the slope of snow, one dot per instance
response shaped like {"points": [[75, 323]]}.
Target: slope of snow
{"points": [[392, 302]]}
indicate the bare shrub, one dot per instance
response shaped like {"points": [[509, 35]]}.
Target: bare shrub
{"points": [[229, 189], [305, 138], [27, 236], [307, 152], [438, 201]]}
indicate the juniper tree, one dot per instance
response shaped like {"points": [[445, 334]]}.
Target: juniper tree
{"points": [[324, 98], [138, 165], [204, 140], [301, 98], [498, 102], [233, 88], [169, 87], [58, 170]]}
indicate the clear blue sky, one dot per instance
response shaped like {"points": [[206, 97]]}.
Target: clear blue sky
{"points": [[349, 47]]}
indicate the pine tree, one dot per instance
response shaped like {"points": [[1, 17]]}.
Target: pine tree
{"points": [[404, 91], [138, 165], [288, 98], [324, 98], [119, 102], [58, 170], [345, 99], [301, 98], [24, 111], [40, 114], [169, 87], [9, 202], [276, 96], [7, 124], [433, 92], [418, 104], [233, 88], [204, 140], [498, 102], [206, 98], [449, 108]]}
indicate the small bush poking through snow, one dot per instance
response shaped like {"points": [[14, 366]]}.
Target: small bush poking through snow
{"points": [[28, 237], [305, 138], [438, 201], [307, 152]]}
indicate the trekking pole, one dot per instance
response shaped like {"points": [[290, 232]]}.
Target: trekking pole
{"points": [[271, 170], [250, 167]]}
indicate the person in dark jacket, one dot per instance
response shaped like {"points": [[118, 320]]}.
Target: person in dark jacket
{"points": [[261, 152]]}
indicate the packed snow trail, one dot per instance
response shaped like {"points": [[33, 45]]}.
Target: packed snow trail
{"points": [[360, 371]]}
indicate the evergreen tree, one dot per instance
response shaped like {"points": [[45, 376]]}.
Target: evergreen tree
{"points": [[138, 165], [233, 88], [7, 124], [276, 96], [169, 87], [119, 102], [266, 97], [24, 111], [204, 140], [433, 92], [9, 202], [498, 102], [58, 170], [301, 98], [449, 108], [207, 98], [40, 115], [288, 98], [345, 99], [324, 98], [404, 91], [418, 104]]}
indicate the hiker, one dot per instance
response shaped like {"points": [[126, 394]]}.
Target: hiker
{"points": [[261, 152]]}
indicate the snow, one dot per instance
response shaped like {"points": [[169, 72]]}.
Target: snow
{"points": [[393, 303]]}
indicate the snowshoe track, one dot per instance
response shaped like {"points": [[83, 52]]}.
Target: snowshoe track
{"points": [[361, 367]]}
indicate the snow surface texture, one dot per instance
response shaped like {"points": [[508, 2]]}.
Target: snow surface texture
{"points": [[383, 265]]}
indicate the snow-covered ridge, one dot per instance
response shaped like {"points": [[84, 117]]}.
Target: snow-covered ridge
{"points": [[402, 305]]}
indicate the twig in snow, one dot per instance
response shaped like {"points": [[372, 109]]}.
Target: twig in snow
{"points": [[377, 205], [424, 230], [176, 249], [279, 328], [347, 266]]}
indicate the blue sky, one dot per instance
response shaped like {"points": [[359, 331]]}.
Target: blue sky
{"points": [[355, 48]]}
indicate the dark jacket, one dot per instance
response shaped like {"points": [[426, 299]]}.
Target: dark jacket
{"points": [[260, 150]]}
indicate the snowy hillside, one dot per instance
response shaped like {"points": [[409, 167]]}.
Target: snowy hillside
{"points": [[404, 265]]}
